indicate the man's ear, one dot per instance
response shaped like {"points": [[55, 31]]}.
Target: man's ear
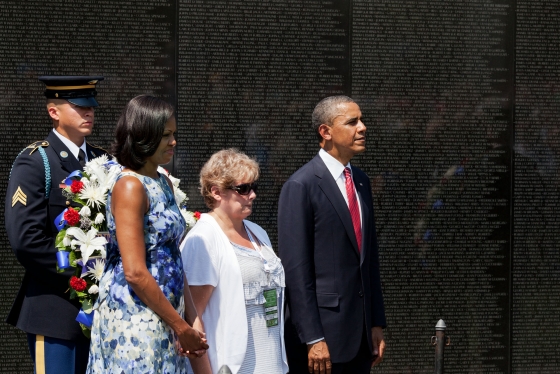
{"points": [[325, 132], [53, 112]]}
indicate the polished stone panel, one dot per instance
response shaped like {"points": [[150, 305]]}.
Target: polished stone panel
{"points": [[461, 101]]}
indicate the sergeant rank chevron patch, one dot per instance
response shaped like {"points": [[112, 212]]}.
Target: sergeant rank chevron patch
{"points": [[19, 196]]}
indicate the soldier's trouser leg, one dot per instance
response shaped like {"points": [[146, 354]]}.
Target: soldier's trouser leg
{"points": [[57, 356]]}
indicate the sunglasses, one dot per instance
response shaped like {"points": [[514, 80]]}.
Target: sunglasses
{"points": [[244, 189]]}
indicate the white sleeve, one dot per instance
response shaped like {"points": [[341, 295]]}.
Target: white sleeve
{"points": [[200, 260]]}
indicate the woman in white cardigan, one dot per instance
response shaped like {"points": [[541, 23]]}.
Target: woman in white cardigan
{"points": [[236, 279]]}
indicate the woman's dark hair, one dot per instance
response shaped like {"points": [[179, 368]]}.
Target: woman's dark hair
{"points": [[140, 129]]}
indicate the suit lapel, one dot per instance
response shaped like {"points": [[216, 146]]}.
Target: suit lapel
{"points": [[330, 189], [68, 163]]}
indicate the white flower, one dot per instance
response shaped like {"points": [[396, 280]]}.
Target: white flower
{"points": [[99, 218], [93, 289], [94, 194], [85, 211], [88, 243], [67, 241], [112, 176], [96, 271], [161, 170], [180, 196], [92, 166], [189, 218], [102, 172], [106, 178], [174, 181]]}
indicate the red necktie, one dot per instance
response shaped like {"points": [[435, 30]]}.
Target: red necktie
{"points": [[353, 206]]}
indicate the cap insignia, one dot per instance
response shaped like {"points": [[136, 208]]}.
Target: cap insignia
{"points": [[93, 82], [19, 196]]}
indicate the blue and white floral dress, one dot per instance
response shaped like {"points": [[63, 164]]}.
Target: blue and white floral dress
{"points": [[127, 336]]}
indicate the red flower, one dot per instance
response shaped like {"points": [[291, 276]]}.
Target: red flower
{"points": [[78, 283], [76, 186], [197, 215], [72, 216]]}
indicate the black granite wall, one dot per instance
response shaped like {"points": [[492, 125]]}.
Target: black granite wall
{"points": [[461, 100]]}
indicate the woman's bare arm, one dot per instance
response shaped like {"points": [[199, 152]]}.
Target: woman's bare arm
{"points": [[201, 296], [129, 205]]}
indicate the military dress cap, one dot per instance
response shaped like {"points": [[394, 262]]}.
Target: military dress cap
{"points": [[79, 90]]}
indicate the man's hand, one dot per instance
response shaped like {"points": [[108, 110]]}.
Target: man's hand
{"points": [[319, 358], [378, 343]]}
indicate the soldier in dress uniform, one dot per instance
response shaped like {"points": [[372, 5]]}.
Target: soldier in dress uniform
{"points": [[33, 200]]}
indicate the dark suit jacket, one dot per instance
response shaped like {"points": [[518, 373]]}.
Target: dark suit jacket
{"points": [[333, 290], [42, 305]]}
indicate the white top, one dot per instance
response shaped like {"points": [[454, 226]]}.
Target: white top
{"points": [[261, 269], [337, 171], [209, 259], [73, 148]]}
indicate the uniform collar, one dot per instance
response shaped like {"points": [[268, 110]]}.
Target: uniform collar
{"points": [[73, 148]]}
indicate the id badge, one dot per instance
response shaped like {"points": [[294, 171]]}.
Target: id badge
{"points": [[271, 307]]}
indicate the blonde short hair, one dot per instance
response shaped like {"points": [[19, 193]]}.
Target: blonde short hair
{"points": [[224, 169]]}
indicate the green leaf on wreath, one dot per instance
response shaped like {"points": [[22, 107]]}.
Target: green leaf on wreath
{"points": [[87, 306], [72, 294], [60, 238], [59, 270], [72, 258], [79, 201], [86, 330]]}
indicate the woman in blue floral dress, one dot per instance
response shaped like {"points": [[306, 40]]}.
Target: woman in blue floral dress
{"points": [[139, 324]]}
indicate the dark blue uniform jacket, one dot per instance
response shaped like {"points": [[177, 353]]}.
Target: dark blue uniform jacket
{"points": [[42, 305]]}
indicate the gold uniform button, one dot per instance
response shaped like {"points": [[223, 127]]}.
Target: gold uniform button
{"points": [[67, 202]]}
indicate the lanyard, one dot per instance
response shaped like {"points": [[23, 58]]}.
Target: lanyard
{"points": [[270, 295], [266, 266]]}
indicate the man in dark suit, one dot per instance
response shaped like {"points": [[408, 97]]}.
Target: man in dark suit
{"points": [[327, 242], [33, 200]]}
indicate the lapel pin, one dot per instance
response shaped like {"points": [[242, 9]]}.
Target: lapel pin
{"points": [[63, 154], [361, 184], [93, 154]]}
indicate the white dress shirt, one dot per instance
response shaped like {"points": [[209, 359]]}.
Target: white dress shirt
{"points": [[73, 148], [337, 171]]}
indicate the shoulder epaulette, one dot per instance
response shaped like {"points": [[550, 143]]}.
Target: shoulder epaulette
{"points": [[38, 144], [96, 147]]}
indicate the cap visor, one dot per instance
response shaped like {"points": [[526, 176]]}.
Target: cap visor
{"points": [[83, 101]]}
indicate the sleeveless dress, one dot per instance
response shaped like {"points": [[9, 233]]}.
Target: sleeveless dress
{"points": [[127, 336]]}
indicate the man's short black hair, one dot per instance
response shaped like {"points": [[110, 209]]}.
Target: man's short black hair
{"points": [[325, 111]]}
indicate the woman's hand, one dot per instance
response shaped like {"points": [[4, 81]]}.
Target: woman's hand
{"points": [[193, 342], [193, 354]]}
